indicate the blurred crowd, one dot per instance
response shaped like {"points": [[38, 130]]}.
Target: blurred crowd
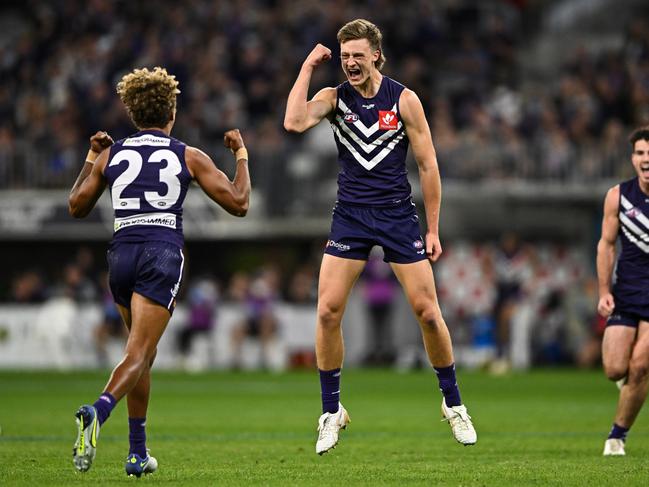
{"points": [[507, 303], [236, 61], [523, 303]]}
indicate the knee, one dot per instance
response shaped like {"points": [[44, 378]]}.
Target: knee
{"points": [[329, 316], [429, 316], [638, 371], [136, 360], [614, 372]]}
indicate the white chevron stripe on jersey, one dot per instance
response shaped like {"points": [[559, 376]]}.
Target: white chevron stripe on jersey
{"points": [[625, 202], [367, 131], [369, 165], [642, 246], [640, 217], [626, 222], [367, 147]]}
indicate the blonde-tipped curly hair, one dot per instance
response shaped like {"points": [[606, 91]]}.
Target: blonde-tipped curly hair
{"points": [[149, 96]]}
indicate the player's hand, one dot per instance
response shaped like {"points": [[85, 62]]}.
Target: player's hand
{"points": [[433, 246], [606, 305], [100, 141], [320, 54], [232, 140]]}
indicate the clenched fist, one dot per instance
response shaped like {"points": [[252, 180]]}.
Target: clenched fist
{"points": [[606, 305], [100, 141], [317, 56], [232, 140]]}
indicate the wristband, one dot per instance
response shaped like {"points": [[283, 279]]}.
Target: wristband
{"points": [[92, 156], [241, 153]]}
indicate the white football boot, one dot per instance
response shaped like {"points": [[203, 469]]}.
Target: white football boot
{"points": [[461, 425], [329, 425], [614, 447]]}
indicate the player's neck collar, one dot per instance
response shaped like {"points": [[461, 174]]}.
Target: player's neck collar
{"points": [[378, 82]]}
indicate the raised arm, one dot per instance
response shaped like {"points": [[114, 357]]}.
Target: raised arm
{"points": [[606, 250], [301, 114], [90, 183], [412, 114], [233, 196]]}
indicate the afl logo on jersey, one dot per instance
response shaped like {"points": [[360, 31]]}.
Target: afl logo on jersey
{"points": [[387, 120], [350, 117]]}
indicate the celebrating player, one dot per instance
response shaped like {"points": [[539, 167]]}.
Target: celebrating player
{"points": [[374, 118], [625, 349], [148, 175]]}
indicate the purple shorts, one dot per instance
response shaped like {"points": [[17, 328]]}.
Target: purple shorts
{"points": [[356, 229], [624, 318], [151, 269]]}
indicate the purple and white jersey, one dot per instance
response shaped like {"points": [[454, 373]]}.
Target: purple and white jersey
{"points": [[372, 146], [632, 272], [148, 180]]}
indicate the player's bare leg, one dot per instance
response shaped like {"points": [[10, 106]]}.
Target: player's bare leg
{"points": [[617, 346], [337, 276], [137, 398], [626, 354], [137, 401], [634, 392], [148, 321], [419, 285]]}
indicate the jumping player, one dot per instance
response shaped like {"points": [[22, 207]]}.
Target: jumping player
{"points": [[374, 118], [625, 347], [148, 175]]}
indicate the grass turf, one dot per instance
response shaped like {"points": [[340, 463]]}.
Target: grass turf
{"points": [[540, 428]]}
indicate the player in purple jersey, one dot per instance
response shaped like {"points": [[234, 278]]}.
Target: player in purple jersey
{"points": [[373, 119], [148, 174], [625, 347]]}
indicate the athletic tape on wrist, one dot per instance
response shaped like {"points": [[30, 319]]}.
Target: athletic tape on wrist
{"points": [[91, 157], [241, 153]]}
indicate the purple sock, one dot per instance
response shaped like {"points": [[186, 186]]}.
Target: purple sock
{"points": [[618, 432], [448, 385], [137, 436], [330, 387], [104, 405]]}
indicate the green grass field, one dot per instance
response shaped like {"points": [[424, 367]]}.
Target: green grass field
{"points": [[542, 428]]}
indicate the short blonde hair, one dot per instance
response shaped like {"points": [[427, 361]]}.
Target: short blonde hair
{"points": [[363, 29], [149, 96]]}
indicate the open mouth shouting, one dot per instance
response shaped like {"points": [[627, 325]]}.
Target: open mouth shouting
{"points": [[354, 74]]}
